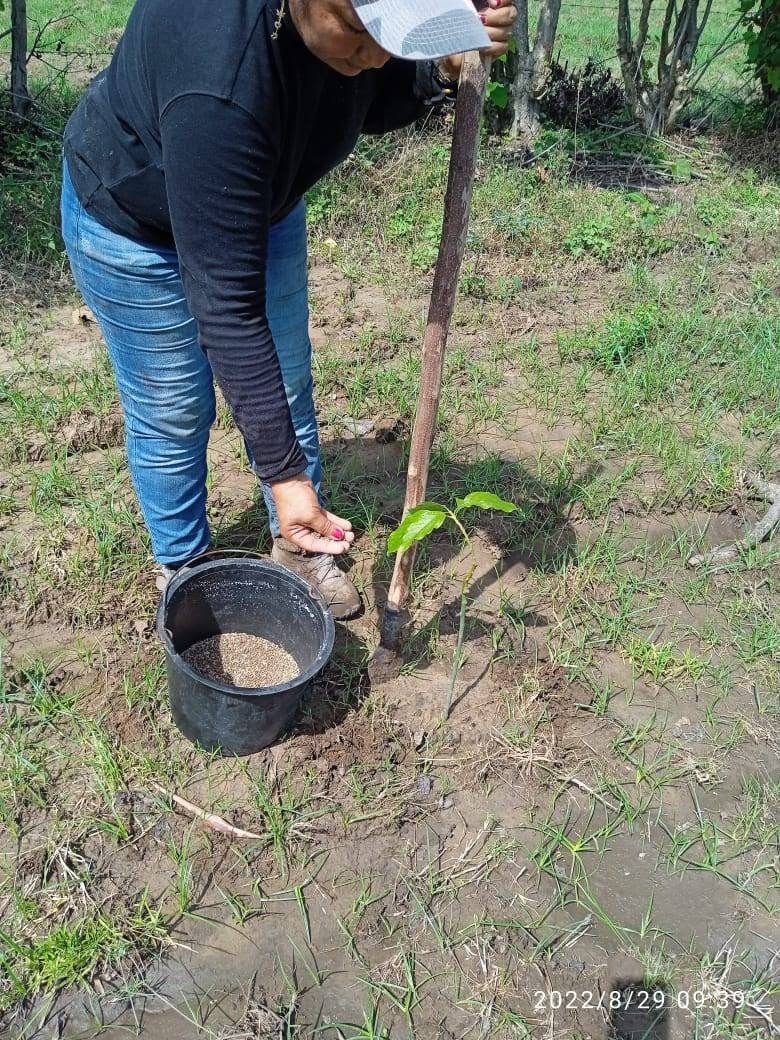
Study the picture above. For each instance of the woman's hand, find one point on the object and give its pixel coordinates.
(499, 18)
(303, 520)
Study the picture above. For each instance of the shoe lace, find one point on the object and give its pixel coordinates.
(324, 566)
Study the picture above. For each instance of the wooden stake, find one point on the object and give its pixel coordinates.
(457, 206)
(20, 95)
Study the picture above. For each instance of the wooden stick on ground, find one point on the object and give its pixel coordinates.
(457, 206)
(211, 820)
(762, 529)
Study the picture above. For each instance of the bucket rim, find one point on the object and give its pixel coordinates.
(326, 648)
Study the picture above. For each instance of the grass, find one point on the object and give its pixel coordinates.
(585, 31)
(81, 27)
(71, 954)
(608, 776)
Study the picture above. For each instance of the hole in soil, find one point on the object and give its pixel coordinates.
(642, 1012)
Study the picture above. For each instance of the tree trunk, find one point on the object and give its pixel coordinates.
(526, 121)
(657, 103)
(20, 96)
(627, 55)
(532, 64)
(457, 207)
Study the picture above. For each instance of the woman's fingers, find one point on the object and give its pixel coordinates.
(499, 20)
(498, 48)
(321, 533)
(499, 16)
(303, 520)
(334, 529)
(340, 529)
(307, 539)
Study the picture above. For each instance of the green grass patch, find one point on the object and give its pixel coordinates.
(30, 184)
(70, 954)
(82, 26)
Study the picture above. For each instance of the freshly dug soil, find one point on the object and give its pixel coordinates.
(242, 660)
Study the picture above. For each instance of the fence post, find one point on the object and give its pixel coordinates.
(20, 95)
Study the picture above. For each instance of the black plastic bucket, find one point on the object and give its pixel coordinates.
(240, 594)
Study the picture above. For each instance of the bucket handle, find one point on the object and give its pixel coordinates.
(208, 554)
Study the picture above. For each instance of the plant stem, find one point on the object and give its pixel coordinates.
(464, 594)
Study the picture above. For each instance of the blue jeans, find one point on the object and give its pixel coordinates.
(164, 378)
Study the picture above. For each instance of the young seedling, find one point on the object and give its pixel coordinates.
(422, 521)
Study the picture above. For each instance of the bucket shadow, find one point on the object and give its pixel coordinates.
(338, 690)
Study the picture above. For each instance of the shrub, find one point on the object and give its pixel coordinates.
(581, 98)
(761, 19)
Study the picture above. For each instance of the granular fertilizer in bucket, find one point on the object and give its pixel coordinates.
(242, 660)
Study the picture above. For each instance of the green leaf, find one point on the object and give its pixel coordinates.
(485, 500)
(416, 525)
(498, 94)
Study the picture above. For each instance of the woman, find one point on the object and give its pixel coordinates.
(185, 167)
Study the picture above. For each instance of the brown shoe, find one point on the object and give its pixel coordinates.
(321, 570)
(163, 576)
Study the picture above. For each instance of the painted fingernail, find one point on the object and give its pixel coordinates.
(337, 534)
(483, 19)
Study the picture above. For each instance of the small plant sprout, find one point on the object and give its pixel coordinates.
(422, 521)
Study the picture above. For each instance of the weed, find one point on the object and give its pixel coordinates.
(595, 236)
(662, 661)
(371, 1027)
(404, 995)
(284, 808)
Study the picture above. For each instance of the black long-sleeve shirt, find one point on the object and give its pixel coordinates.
(208, 126)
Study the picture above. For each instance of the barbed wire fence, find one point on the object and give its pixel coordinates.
(52, 61)
(54, 67)
(59, 67)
